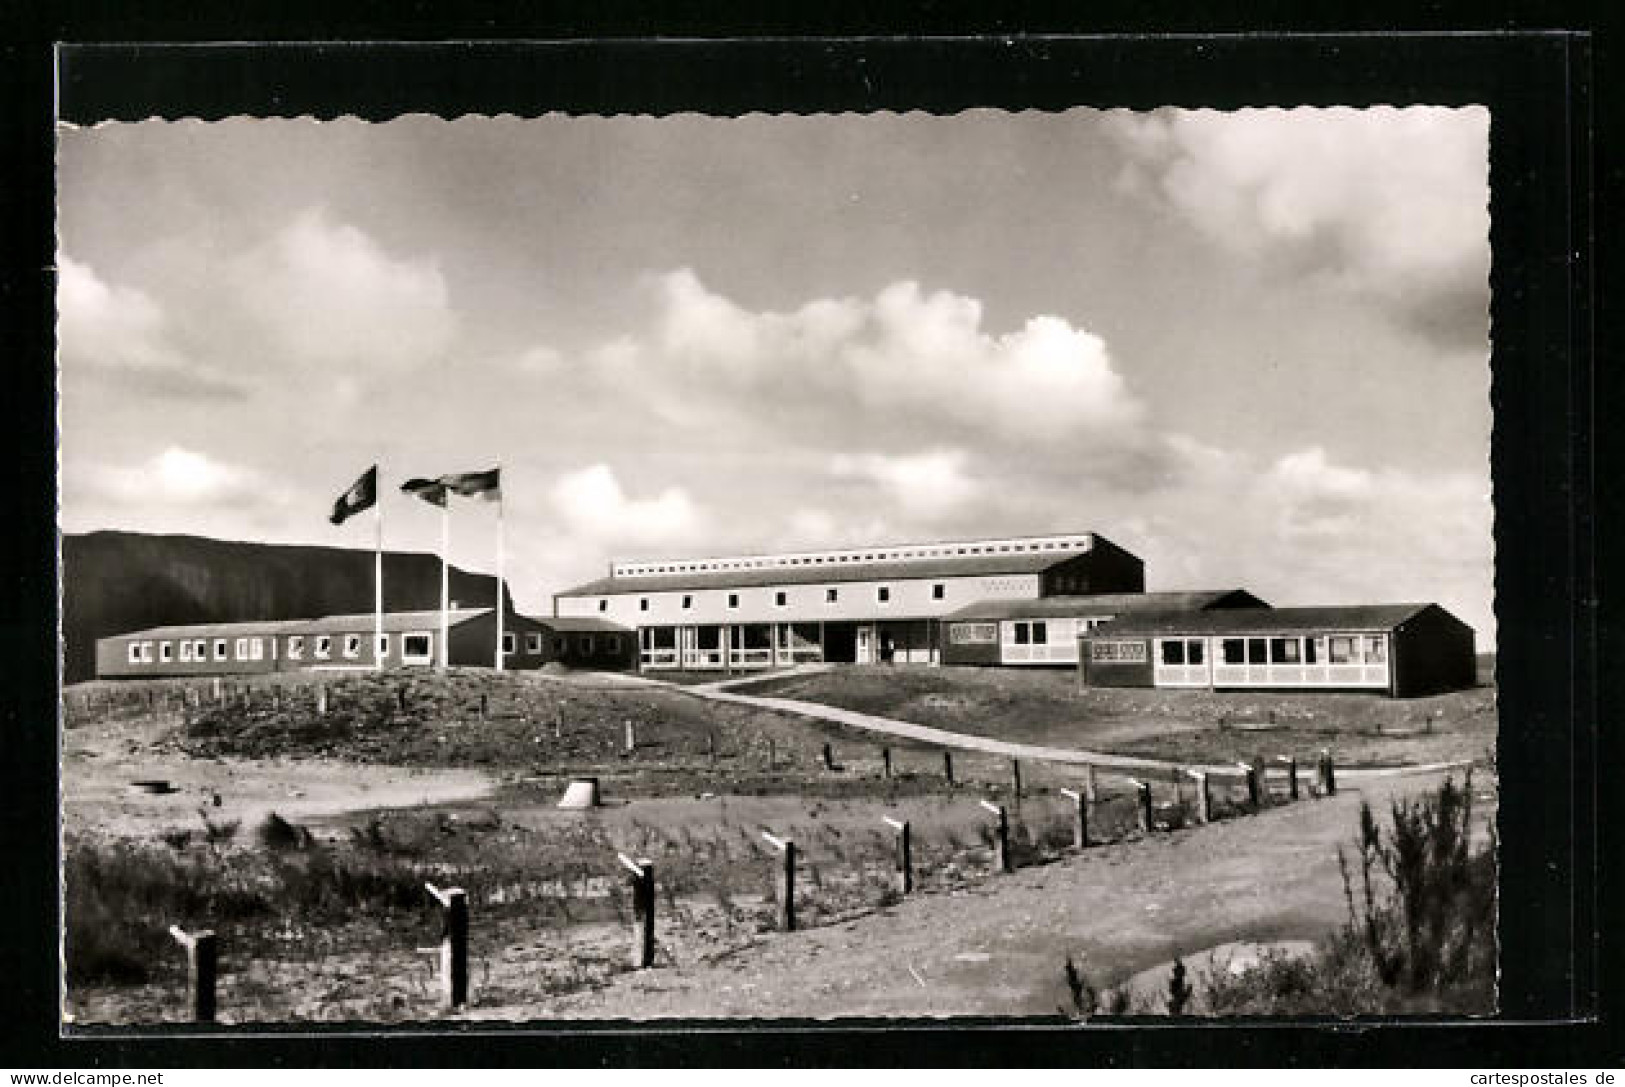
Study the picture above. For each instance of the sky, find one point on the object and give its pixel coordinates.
(1251, 347)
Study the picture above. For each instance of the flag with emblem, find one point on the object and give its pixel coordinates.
(362, 495)
(486, 485)
(432, 491)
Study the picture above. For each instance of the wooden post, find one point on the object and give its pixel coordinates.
(711, 747)
(904, 856)
(948, 767)
(321, 700)
(1080, 818)
(1251, 774)
(631, 737)
(1291, 776)
(1143, 805)
(201, 965)
(1204, 798)
(772, 752)
(1090, 789)
(1260, 769)
(784, 884)
(643, 910)
(219, 691)
(558, 721)
(1328, 773)
(1015, 778)
(1001, 837)
(453, 944)
(829, 758)
(485, 705)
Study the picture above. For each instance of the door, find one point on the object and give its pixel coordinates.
(865, 651)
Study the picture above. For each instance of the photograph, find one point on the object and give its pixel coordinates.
(1032, 565)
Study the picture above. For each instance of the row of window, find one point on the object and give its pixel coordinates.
(561, 645)
(1338, 649)
(1036, 631)
(866, 556)
(415, 648)
(781, 597)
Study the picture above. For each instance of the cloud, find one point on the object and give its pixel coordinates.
(591, 505)
(121, 335)
(180, 478)
(1391, 204)
(328, 295)
(923, 485)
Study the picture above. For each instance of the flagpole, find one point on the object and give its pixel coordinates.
(445, 580)
(378, 578)
(500, 594)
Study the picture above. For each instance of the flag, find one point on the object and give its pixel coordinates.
(363, 495)
(487, 484)
(432, 491)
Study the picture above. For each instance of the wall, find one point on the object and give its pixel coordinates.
(1433, 652)
(1105, 569)
(1135, 673)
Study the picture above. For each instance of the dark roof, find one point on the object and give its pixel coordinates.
(583, 624)
(1096, 604)
(1342, 618)
(329, 624)
(1025, 562)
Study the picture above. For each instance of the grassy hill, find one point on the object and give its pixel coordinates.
(120, 581)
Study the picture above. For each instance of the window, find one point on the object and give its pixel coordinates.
(1194, 651)
(1309, 652)
(416, 648)
(242, 649)
(1233, 651)
(603, 605)
(135, 652)
(1257, 651)
(533, 643)
(1285, 651)
(186, 650)
(166, 651)
(586, 645)
(560, 647)
(831, 595)
(383, 646)
(352, 646)
(1023, 634)
(296, 647)
(510, 644)
(1173, 652)
(733, 600)
(200, 650)
(256, 649)
(688, 602)
(1340, 650)
(219, 649)
(643, 605)
(1040, 633)
(883, 594)
(939, 592)
(324, 646)
(612, 644)
(1374, 649)
(781, 598)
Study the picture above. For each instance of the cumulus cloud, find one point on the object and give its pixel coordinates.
(119, 334)
(327, 294)
(180, 478)
(925, 485)
(592, 505)
(1392, 204)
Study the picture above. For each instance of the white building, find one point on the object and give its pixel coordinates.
(850, 604)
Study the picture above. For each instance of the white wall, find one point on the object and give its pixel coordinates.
(910, 599)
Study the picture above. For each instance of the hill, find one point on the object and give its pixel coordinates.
(120, 581)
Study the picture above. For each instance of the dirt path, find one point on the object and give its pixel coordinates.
(998, 948)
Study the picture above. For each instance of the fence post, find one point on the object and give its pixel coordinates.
(400, 697)
(1089, 786)
(1080, 818)
(558, 721)
(1328, 773)
(711, 746)
(885, 762)
(1001, 837)
(201, 962)
(772, 753)
(485, 705)
(219, 691)
(453, 944)
(321, 700)
(1291, 776)
(829, 758)
(1260, 773)
(631, 737)
(1015, 778)
(904, 856)
(1143, 804)
(948, 767)
(784, 884)
(643, 910)
(1251, 774)
(1204, 798)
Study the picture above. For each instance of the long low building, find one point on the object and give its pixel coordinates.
(1403, 650)
(1045, 630)
(345, 642)
(853, 605)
